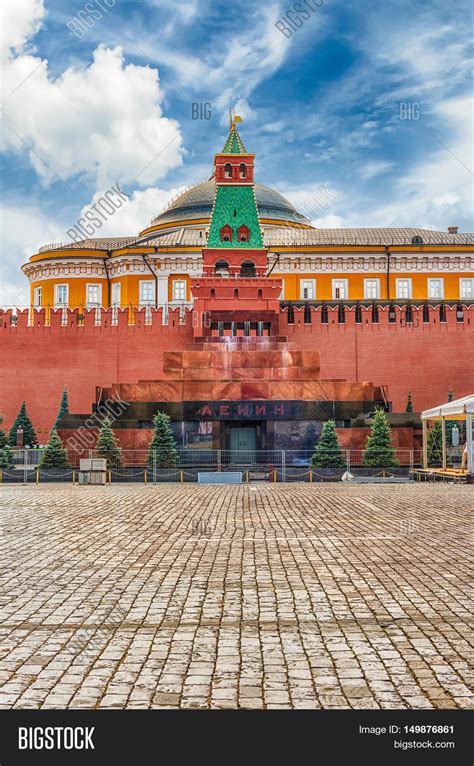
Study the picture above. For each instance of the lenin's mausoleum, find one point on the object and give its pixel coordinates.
(243, 322)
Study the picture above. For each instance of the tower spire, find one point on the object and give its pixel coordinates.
(234, 143)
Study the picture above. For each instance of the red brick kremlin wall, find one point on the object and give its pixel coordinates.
(38, 361)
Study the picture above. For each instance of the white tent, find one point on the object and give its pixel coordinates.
(458, 409)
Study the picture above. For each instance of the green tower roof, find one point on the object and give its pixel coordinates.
(234, 144)
(235, 205)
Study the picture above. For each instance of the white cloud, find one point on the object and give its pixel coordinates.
(251, 56)
(330, 221)
(427, 49)
(20, 21)
(136, 214)
(369, 170)
(437, 192)
(103, 121)
(23, 231)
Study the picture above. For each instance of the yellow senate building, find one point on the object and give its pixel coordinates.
(315, 265)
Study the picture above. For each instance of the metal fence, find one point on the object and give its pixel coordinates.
(255, 465)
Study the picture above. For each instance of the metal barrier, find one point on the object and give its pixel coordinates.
(255, 465)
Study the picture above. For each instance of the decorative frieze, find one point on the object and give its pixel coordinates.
(191, 263)
(321, 263)
(56, 269)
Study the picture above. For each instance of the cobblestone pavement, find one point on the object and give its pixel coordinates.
(222, 596)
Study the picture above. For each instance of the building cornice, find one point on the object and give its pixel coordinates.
(374, 262)
(70, 268)
(189, 260)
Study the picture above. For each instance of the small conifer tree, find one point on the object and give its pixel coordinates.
(29, 435)
(163, 444)
(3, 436)
(6, 456)
(379, 451)
(55, 454)
(328, 453)
(63, 409)
(107, 445)
(409, 407)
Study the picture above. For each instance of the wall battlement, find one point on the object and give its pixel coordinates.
(133, 319)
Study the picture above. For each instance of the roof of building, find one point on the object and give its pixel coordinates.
(96, 243)
(196, 202)
(286, 236)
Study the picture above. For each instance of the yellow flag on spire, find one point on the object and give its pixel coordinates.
(237, 118)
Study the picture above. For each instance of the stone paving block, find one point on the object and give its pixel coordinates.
(265, 595)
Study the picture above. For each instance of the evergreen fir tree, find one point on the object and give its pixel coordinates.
(63, 409)
(328, 453)
(6, 456)
(379, 451)
(435, 446)
(409, 407)
(107, 445)
(29, 436)
(163, 444)
(55, 454)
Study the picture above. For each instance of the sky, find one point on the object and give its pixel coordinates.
(361, 114)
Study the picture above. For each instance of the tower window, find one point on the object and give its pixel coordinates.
(242, 170)
(247, 269)
(243, 233)
(226, 233)
(222, 268)
(227, 170)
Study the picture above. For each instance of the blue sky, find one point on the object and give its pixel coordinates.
(322, 106)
